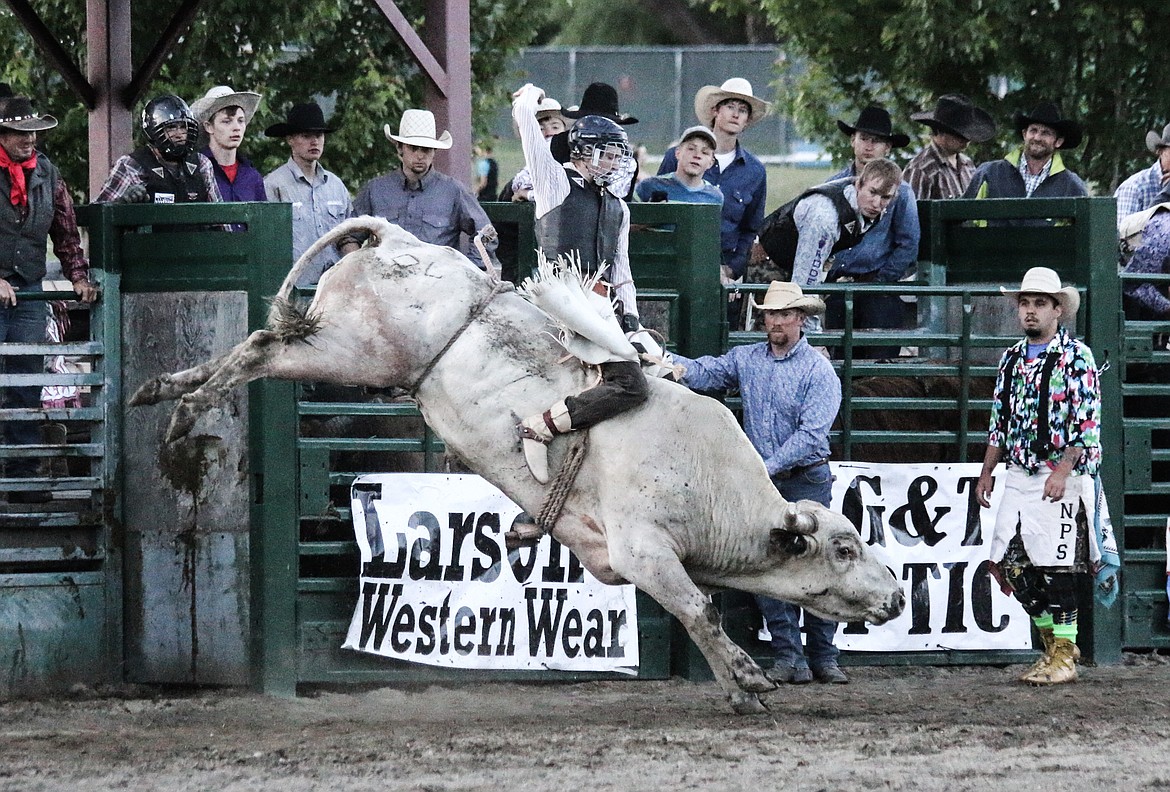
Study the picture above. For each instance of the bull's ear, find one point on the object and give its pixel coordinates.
(788, 543)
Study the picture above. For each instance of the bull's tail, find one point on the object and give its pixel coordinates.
(375, 228)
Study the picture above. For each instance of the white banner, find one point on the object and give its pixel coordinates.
(924, 522)
(437, 585)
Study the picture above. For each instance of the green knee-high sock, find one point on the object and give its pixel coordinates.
(1043, 621)
(1065, 625)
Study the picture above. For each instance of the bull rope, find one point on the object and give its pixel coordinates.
(562, 484)
(471, 317)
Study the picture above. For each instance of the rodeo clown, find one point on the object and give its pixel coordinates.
(581, 219)
(1053, 521)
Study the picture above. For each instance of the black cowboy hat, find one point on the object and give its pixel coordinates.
(1048, 114)
(876, 121)
(301, 118)
(956, 114)
(599, 99)
(17, 114)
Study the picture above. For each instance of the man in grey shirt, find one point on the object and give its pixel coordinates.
(319, 198)
(431, 205)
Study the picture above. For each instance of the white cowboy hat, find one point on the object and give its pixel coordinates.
(205, 107)
(709, 96)
(1042, 280)
(417, 128)
(547, 107)
(783, 295)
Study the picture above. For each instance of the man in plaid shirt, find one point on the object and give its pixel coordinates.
(1140, 191)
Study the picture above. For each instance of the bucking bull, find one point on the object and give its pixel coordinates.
(671, 496)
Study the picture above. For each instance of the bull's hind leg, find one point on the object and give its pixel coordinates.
(172, 386)
(262, 354)
(658, 571)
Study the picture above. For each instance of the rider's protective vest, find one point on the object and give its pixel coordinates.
(587, 221)
(165, 185)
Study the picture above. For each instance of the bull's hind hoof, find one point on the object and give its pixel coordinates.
(747, 704)
(150, 392)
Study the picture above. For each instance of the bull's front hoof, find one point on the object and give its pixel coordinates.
(744, 703)
(150, 392)
(182, 421)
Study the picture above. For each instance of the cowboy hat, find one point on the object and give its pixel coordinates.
(17, 114)
(301, 118)
(417, 128)
(1042, 280)
(783, 295)
(205, 107)
(708, 98)
(599, 99)
(1048, 114)
(956, 114)
(1154, 141)
(875, 121)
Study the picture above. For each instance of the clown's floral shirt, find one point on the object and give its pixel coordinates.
(1074, 409)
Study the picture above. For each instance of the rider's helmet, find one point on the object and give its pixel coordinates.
(166, 113)
(603, 147)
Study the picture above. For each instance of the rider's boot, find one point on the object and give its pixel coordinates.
(537, 431)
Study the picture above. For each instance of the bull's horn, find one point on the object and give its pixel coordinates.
(796, 521)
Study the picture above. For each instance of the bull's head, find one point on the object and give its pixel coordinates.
(825, 567)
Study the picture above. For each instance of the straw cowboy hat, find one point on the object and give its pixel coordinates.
(17, 115)
(1048, 114)
(205, 107)
(1042, 280)
(876, 121)
(1154, 141)
(956, 114)
(783, 295)
(301, 118)
(417, 128)
(708, 98)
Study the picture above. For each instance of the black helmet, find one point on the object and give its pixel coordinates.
(167, 111)
(592, 137)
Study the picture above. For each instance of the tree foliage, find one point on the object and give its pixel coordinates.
(340, 52)
(665, 22)
(1097, 59)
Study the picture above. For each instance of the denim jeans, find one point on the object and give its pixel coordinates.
(783, 618)
(22, 323)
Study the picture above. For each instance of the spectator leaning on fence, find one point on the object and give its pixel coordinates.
(36, 207)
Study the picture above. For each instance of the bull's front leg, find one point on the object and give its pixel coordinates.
(172, 386)
(656, 569)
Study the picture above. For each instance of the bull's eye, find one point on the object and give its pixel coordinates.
(846, 553)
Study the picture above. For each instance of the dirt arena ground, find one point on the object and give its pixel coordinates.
(971, 728)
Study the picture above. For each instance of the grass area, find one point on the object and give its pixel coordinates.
(784, 182)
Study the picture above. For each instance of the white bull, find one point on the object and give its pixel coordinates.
(671, 497)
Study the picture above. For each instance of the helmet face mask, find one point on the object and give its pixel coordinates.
(161, 117)
(601, 146)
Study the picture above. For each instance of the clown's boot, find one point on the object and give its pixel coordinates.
(1061, 666)
(1047, 639)
(537, 431)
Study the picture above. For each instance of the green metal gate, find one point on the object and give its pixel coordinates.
(60, 561)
